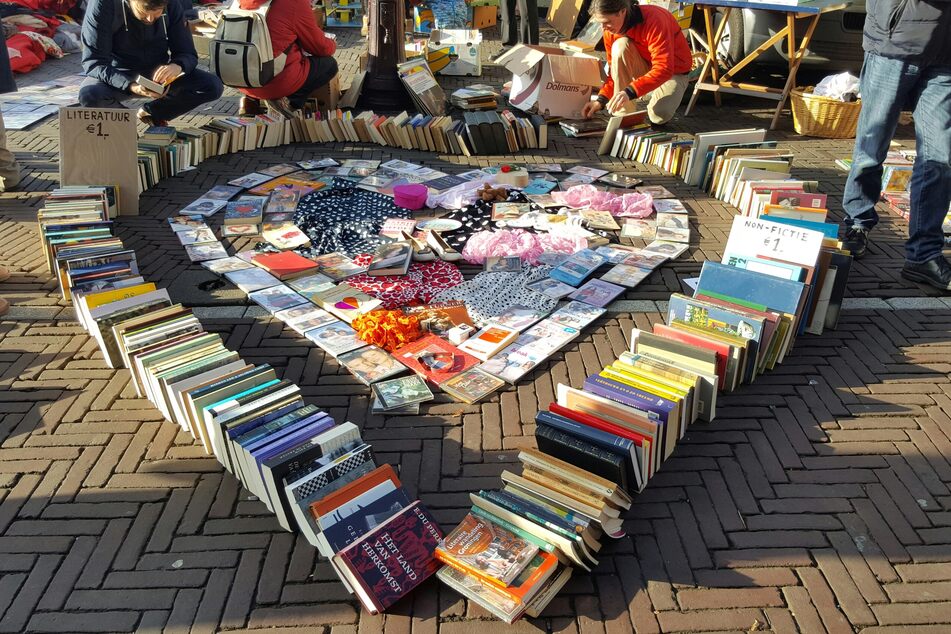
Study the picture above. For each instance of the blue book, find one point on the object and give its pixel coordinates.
(729, 282)
(350, 528)
(258, 427)
(243, 449)
(827, 229)
(285, 412)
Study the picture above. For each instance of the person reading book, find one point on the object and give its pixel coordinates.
(907, 67)
(309, 64)
(126, 39)
(648, 59)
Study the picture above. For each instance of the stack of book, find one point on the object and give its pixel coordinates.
(315, 476)
(475, 99)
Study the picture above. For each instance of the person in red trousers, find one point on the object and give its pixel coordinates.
(310, 63)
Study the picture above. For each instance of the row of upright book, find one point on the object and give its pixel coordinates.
(316, 476)
(166, 151)
(603, 441)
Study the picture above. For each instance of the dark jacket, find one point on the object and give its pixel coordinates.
(911, 30)
(117, 46)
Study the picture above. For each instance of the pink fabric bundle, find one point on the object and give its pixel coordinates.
(633, 205)
(527, 246)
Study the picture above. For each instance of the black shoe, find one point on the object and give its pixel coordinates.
(935, 272)
(856, 241)
(146, 118)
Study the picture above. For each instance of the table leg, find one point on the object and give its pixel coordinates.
(796, 56)
(710, 64)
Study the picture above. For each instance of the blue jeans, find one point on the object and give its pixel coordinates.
(185, 94)
(888, 86)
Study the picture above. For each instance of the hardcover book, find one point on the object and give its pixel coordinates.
(390, 561)
(285, 265)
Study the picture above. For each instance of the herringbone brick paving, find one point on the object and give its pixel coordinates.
(818, 500)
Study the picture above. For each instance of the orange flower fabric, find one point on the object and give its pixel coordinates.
(387, 329)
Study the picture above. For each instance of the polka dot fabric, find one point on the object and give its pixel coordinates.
(344, 218)
(488, 294)
(419, 285)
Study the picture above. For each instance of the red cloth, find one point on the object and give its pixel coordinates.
(660, 42)
(421, 283)
(291, 23)
(49, 6)
(31, 53)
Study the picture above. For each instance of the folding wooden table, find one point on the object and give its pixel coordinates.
(811, 9)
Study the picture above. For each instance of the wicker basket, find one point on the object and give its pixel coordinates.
(823, 117)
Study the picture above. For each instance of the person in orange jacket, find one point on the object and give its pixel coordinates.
(648, 58)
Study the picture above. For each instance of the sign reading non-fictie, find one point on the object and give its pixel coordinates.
(98, 147)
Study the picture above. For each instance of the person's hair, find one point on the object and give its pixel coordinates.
(611, 7)
(152, 5)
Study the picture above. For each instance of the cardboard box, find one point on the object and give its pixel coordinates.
(551, 81)
(320, 16)
(327, 96)
(455, 52)
(484, 16)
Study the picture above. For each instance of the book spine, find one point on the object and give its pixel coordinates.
(583, 454)
(537, 515)
(625, 396)
(512, 528)
(597, 437)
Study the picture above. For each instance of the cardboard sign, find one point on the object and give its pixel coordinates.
(551, 81)
(455, 52)
(98, 147)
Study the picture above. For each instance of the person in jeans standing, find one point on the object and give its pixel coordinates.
(648, 57)
(907, 65)
(9, 167)
(523, 31)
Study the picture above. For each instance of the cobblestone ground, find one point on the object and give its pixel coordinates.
(817, 501)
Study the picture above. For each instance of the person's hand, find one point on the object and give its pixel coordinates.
(590, 108)
(165, 74)
(619, 101)
(142, 91)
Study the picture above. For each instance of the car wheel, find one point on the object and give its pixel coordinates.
(730, 49)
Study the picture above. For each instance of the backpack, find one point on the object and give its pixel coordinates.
(240, 52)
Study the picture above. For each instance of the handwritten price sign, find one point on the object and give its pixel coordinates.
(98, 147)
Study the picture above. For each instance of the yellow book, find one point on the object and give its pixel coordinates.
(740, 347)
(681, 413)
(664, 378)
(94, 300)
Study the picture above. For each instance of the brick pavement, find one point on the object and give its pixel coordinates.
(817, 501)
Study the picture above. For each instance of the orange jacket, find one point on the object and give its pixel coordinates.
(660, 42)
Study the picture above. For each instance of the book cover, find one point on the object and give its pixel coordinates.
(284, 235)
(578, 267)
(204, 207)
(335, 338)
(401, 392)
(371, 364)
(224, 265)
(486, 550)
(471, 385)
(352, 526)
(244, 212)
(338, 266)
(597, 293)
(228, 231)
(205, 251)
(276, 298)
(346, 302)
(388, 562)
(518, 317)
(576, 314)
(440, 317)
(434, 358)
(392, 258)
(551, 288)
(488, 341)
(251, 279)
(285, 265)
